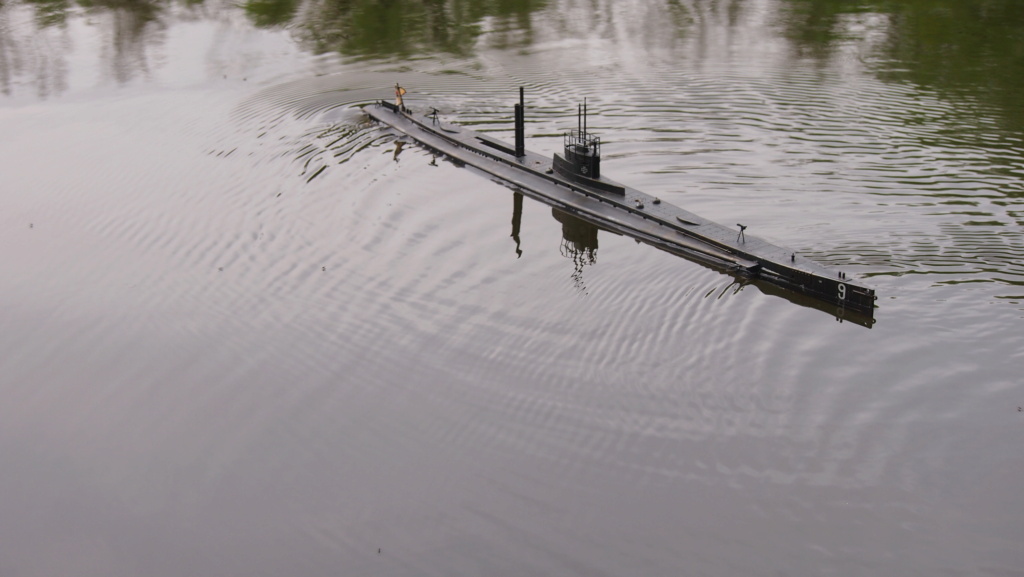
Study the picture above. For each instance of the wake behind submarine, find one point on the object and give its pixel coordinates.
(572, 182)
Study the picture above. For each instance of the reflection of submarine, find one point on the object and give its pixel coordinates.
(579, 237)
(579, 244)
(572, 182)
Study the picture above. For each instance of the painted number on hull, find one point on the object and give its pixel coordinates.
(842, 292)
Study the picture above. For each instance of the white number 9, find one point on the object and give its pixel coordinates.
(842, 292)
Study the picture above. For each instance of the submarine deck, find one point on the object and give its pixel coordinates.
(634, 213)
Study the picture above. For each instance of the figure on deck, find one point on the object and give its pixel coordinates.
(399, 91)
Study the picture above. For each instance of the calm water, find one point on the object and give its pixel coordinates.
(246, 332)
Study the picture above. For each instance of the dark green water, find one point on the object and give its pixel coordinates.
(247, 332)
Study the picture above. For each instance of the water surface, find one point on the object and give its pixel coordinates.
(245, 331)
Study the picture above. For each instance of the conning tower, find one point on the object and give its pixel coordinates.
(581, 158)
(582, 149)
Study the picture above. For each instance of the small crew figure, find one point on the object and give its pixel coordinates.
(399, 91)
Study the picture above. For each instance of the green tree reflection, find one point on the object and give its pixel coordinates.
(133, 25)
(50, 12)
(969, 48)
(966, 48)
(271, 12)
(401, 28)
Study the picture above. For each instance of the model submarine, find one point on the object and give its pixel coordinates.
(572, 182)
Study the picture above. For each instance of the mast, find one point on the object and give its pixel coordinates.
(520, 126)
(581, 157)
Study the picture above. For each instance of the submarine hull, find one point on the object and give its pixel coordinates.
(620, 208)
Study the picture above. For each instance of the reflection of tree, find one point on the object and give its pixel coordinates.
(405, 27)
(271, 12)
(6, 49)
(813, 25)
(972, 47)
(40, 52)
(134, 23)
(956, 45)
(50, 12)
(130, 25)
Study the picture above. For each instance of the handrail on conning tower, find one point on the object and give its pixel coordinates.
(581, 150)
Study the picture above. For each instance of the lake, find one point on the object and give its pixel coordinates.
(246, 331)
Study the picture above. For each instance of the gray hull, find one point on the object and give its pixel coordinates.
(622, 209)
